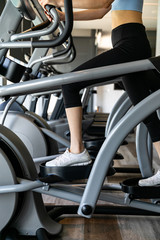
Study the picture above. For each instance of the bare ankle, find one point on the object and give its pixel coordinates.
(76, 150)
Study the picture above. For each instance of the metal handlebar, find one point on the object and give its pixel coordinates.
(48, 43)
(39, 33)
(62, 59)
(66, 55)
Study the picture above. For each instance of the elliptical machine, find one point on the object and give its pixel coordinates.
(23, 178)
(21, 184)
(40, 148)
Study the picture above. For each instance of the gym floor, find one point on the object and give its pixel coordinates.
(108, 227)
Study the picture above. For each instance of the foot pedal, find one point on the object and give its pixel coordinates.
(67, 173)
(124, 143)
(118, 156)
(131, 169)
(50, 178)
(94, 144)
(131, 186)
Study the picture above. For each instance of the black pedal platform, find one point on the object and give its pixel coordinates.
(124, 143)
(118, 156)
(67, 173)
(131, 187)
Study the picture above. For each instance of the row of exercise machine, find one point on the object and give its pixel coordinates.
(27, 140)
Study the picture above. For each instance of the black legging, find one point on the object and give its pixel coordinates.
(130, 43)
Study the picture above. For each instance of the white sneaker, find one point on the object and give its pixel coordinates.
(70, 159)
(151, 181)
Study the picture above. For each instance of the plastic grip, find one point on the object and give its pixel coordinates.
(49, 7)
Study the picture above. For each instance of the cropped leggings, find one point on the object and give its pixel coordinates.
(130, 43)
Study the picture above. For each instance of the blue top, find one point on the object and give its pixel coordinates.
(134, 5)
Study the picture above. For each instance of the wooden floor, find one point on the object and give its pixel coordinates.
(108, 227)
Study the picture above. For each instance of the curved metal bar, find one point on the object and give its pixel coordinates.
(110, 146)
(7, 107)
(67, 46)
(48, 43)
(67, 30)
(56, 137)
(59, 59)
(114, 110)
(143, 156)
(24, 186)
(121, 111)
(39, 33)
(150, 146)
(50, 59)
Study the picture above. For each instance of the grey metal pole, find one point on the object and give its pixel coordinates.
(55, 82)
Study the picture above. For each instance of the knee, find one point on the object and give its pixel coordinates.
(71, 95)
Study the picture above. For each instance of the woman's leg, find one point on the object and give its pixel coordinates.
(144, 81)
(74, 116)
(72, 101)
(129, 50)
(138, 87)
(157, 147)
(76, 155)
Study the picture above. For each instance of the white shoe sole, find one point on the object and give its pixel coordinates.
(80, 164)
